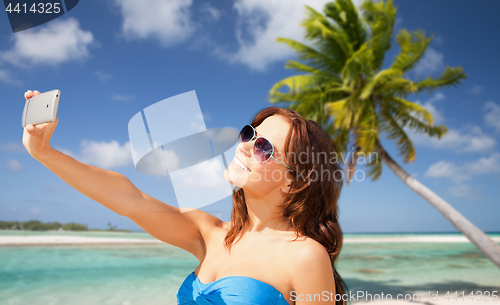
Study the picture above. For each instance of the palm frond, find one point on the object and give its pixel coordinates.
(374, 166)
(292, 64)
(335, 107)
(340, 138)
(313, 57)
(367, 128)
(412, 108)
(377, 81)
(396, 132)
(348, 116)
(404, 116)
(345, 14)
(296, 84)
(397, 87)
(380, 17)
(327, 38)
(357, 65)
(420, 127)
(413, 47)
(450, 77)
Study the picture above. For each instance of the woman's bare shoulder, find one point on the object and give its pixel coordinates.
(304, 248)
(205, 222)
(307, 262)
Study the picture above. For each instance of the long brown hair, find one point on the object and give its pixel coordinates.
(310, 206)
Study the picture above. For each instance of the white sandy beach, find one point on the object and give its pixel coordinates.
(414, 239)
(80, 240)
(48, 240)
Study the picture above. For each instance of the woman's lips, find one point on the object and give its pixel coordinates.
(238, 164)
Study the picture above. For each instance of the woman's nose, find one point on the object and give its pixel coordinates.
(247, 148)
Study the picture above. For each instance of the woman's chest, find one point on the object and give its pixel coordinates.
(263, 259)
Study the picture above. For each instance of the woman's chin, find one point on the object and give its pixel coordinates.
(235, 177)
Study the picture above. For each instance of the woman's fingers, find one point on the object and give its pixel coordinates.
(28, 94)
(36, 127)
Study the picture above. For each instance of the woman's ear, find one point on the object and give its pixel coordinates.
(287, 182)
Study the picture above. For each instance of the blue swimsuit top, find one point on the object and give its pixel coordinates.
(230, 290)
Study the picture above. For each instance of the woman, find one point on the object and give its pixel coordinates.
(284, 236)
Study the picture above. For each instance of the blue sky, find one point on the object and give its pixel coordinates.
(112, 58)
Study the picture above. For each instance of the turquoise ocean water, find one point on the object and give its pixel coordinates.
(152, 274)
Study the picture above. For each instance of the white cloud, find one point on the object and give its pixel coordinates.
(438, 40)
(55, 43)
(8, 79)
(201, 184)
(467, 139)
(35, 210)
(198, 124)
(224, 134)
(107, 155)
(206, 116)
(445, 169)
(155, 162)
(463, 191)
(260, 22)
(172, 160)
(123, 98)
(210, 13)
(431, 62)
(492, 118)
(430, 106)
(484, 165)
(206, 176)
(12, 147)
(476, 90)
(13, 165)
(464, 172)
(168, 21)
(103, 77)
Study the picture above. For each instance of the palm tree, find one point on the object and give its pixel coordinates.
(344, 88)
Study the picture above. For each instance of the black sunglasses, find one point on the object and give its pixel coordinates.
(263, 149)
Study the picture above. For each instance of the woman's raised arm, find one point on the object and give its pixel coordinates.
(116, 192)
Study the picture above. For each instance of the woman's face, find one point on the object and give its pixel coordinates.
(261, 178)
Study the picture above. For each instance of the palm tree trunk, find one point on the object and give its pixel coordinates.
(489, 248)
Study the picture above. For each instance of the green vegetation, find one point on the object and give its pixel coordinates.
(36, 225)
(345, 89)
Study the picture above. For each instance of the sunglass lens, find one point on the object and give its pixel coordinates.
(263, 150)
(246, 134)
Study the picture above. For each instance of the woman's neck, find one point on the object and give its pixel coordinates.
(266, 214)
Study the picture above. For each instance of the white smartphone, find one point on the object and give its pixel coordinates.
(41, 108)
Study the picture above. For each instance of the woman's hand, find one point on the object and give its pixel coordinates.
(36, 137)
